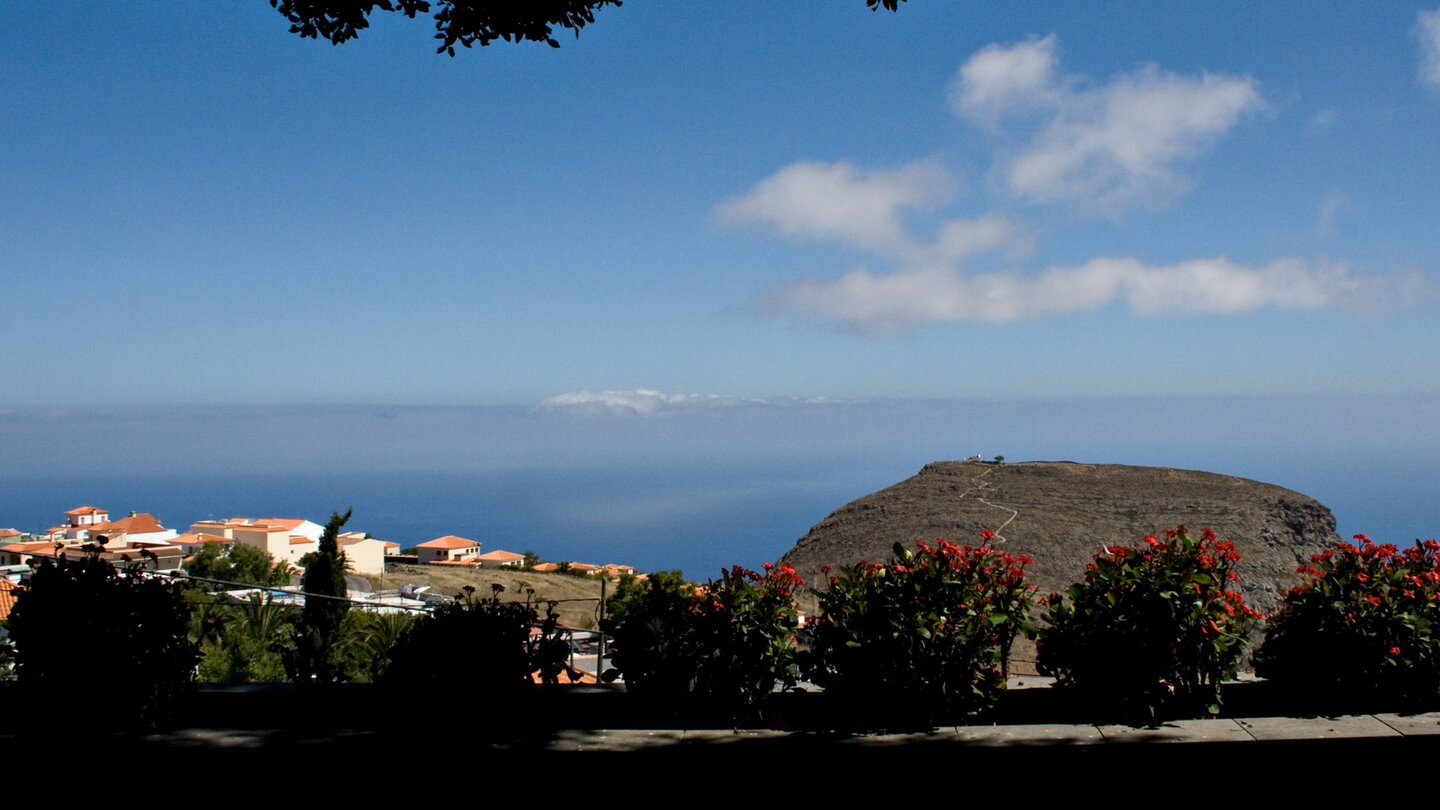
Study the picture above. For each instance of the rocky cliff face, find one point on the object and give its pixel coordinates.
(1061, 513)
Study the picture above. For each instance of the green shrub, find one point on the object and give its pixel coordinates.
(720, 647)
(101, 648)
(928, 634)
(248, 643)
(1151, 632)
(1362, 631)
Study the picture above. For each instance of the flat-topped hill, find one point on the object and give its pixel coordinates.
(1061, 513)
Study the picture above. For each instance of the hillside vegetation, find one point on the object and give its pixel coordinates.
(578, 597)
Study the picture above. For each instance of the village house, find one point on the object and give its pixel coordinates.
(192, 542)
(500, 559)
(87, 523)
(365, 554)
(448, 550)
(284, 539)
(139, 538)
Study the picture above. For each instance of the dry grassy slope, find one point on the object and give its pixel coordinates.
(1064, 512)
(579, 595)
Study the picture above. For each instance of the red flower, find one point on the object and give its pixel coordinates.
(986, 534)
(1394, 652)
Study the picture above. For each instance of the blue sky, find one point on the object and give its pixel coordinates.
(743, 199)
(698, 208)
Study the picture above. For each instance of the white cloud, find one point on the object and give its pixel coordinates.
(1107, 148)
(839, 203)
(639, 402)
(900, 301)
(1000, 80)
(807, 201)
(1427, 26)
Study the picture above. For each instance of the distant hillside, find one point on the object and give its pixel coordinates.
(1061, 513)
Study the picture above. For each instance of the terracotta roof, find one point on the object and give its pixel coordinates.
(8, 591)
(289, 524)
(499, 556)
(546, 566)
(29, 548)
(141, 523)
(259, 526)
(449, 541)
(299, 539)
(191, 538)
(86, 510)
(10, 533)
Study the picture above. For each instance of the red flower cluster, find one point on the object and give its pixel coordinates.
(1154, 624)
(1360, 623)
(930, 626)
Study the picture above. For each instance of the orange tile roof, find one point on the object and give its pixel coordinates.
(449, 541)
(546, 566)
(86, 510)
(8, 592)
(10, 533)
(191, 538)
(141, 523)
(289, 524)
(29, 548)
(499, 556)
(299, 539)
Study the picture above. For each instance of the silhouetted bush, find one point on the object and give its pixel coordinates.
(101, 648)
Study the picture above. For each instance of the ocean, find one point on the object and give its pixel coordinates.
(697, 491)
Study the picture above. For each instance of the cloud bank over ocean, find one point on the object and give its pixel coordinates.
(645, 402)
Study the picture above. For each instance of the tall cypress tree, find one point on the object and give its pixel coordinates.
(322, 618)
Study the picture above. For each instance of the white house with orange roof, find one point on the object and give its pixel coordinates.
(500, 559)
(139, 529)
(77, 525)
(284, 539)
(86, 522)
(449, 549)
(192, 542)
(274, 539)
(82, 516)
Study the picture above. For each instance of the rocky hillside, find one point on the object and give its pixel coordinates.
(1061, 513)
